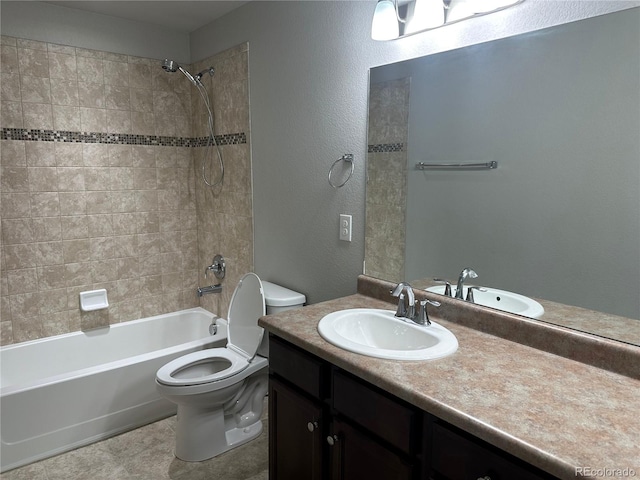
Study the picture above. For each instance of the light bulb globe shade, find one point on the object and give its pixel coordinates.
(426, 14)
(385, 22)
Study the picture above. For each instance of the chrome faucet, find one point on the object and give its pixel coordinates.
(209, 289)
(466, 273)
(408, 310)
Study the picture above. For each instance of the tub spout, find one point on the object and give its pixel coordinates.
(210, 289)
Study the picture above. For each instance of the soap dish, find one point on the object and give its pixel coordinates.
(93, 300)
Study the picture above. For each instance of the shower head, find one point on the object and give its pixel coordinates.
(170, 65)
(173, 66)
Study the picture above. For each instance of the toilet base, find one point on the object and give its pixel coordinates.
(203, 432)
(202, 435)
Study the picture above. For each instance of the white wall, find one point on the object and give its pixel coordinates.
(309, 64)
(68, 26)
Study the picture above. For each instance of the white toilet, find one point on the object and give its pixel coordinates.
(220, 391)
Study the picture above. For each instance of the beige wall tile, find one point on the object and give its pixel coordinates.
(49, 253)
(64, 92)
(74, 227)
(14, 179)
(70, 179)
(91, 95)
(10, 87)
(93, 119)
(43, 179)
(98, 202)
(68, 154)
(118, 121)
(45, 204)
(47, 229)
(62, 65)
(19, 255)
(15, 205)
(33, 62)
(40, 154)
(12, 153)
(35, 89)
(66, 118)
(37, 116)
(95, 155)
(90, 69)
(11, 114)
(9, 59)
(73, 203)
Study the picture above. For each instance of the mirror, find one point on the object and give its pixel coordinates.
(559, 111)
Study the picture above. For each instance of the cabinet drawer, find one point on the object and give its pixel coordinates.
(455, 456)
(295, 365)
(382, 415)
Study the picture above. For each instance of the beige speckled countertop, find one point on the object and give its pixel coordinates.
(556, 413)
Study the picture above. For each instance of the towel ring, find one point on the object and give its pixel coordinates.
(347, 157)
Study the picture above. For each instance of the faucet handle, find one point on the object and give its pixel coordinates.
(470, 293)
(423, 316)
(447, 285)
(218, 267)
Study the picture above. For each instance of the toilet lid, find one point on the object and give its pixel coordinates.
(247, 305)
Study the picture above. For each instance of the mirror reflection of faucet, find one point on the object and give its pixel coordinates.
(464, 275)
(459, 293)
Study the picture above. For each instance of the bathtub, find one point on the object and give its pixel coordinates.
(62, 392)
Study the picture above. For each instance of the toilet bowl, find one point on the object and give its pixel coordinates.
(220, 391)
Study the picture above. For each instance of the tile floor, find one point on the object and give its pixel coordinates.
(147, 454)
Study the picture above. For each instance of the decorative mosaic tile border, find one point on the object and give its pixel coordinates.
(386, 147)
(32, 135)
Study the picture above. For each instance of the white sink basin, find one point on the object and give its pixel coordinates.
(500, 300)
(378, 333)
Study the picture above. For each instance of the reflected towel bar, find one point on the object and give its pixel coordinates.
(456, 166)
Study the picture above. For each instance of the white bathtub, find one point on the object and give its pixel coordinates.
(62, 392)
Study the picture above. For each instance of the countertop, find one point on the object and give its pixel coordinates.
(567, 417)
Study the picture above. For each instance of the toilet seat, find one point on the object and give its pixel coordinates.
(232, 363)
(206, 367)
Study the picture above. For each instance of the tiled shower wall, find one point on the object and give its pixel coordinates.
(98, 188)
(225, 215)
(386, 179)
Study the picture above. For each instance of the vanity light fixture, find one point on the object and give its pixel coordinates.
(385, 25)
(422, 15)
(426, 14)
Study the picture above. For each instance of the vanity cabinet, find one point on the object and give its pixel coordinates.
(325, 423)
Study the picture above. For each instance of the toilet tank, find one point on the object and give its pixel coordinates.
(279, 299)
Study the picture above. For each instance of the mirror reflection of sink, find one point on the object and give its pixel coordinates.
(378, 333)
(500, 300)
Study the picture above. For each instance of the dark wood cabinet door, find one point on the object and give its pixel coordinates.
(354, 456)
(457, 457)
(295, 437)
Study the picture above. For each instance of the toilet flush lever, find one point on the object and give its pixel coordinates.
(218, 267)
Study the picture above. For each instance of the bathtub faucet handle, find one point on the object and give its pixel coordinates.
(218, 267)
(213, 328)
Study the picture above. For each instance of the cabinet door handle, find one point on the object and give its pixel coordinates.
(311, 426)
(332, 439)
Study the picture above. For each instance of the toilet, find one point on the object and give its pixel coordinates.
(220, 391)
